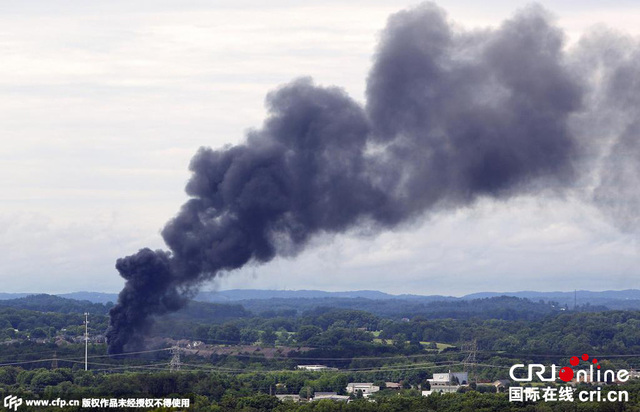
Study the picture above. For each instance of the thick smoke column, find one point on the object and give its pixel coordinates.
(450, 116)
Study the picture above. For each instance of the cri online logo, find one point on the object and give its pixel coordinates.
(567, 374)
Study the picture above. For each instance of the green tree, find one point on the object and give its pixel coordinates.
(306, 392)
(249, 336)
(307, 332)
(228, 333)
(268, 337)
(38, 333)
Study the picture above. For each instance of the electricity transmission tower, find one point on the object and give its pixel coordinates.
(470, 360)
(86, 340)
(174, 364)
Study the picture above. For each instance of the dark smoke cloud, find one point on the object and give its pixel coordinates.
(472, 114)
(610, 126)
(450, 116)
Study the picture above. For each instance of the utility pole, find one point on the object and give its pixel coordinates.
(575, 299)
(174, 364)
(86, 340)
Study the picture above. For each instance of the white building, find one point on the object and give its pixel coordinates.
(314, 367)
(288, 397)
(365, 388)
(448, 382)
(331, 396)
(393, 385)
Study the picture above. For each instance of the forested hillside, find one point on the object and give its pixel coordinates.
(233, 357)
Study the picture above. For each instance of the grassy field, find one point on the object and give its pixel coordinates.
(440, 346)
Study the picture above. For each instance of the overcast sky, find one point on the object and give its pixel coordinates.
(102, 104)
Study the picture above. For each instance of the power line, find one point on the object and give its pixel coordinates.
(92, 356)
(76, 359)
(152, 366)
(129, 353)
(280, 357)
(398, 368)
(31, 361)
(27, 354)
(468, 361)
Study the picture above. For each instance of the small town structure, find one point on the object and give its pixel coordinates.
(393, 385)
(288, 397)
(331, 396)
(501, 385)
(314, 367)
(448, 382)
(366, 389)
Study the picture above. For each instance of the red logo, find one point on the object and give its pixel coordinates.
(566, 373)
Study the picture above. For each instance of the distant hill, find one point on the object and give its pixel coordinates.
(52, 303)
(499, 307)
(252, 299)
(96, 297)
(612, 299)
(494, 306)
(4, 296)
(211, 312)
(245, 294)
(194, 311)
(581, 294)
(252, 294)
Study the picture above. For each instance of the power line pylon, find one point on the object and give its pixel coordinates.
(86, 340)
(174, 364)
(470, 361)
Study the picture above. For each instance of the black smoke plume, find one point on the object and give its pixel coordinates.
(610, 126)
(450, 116)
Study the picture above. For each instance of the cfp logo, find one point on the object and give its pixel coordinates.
(12, 402)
